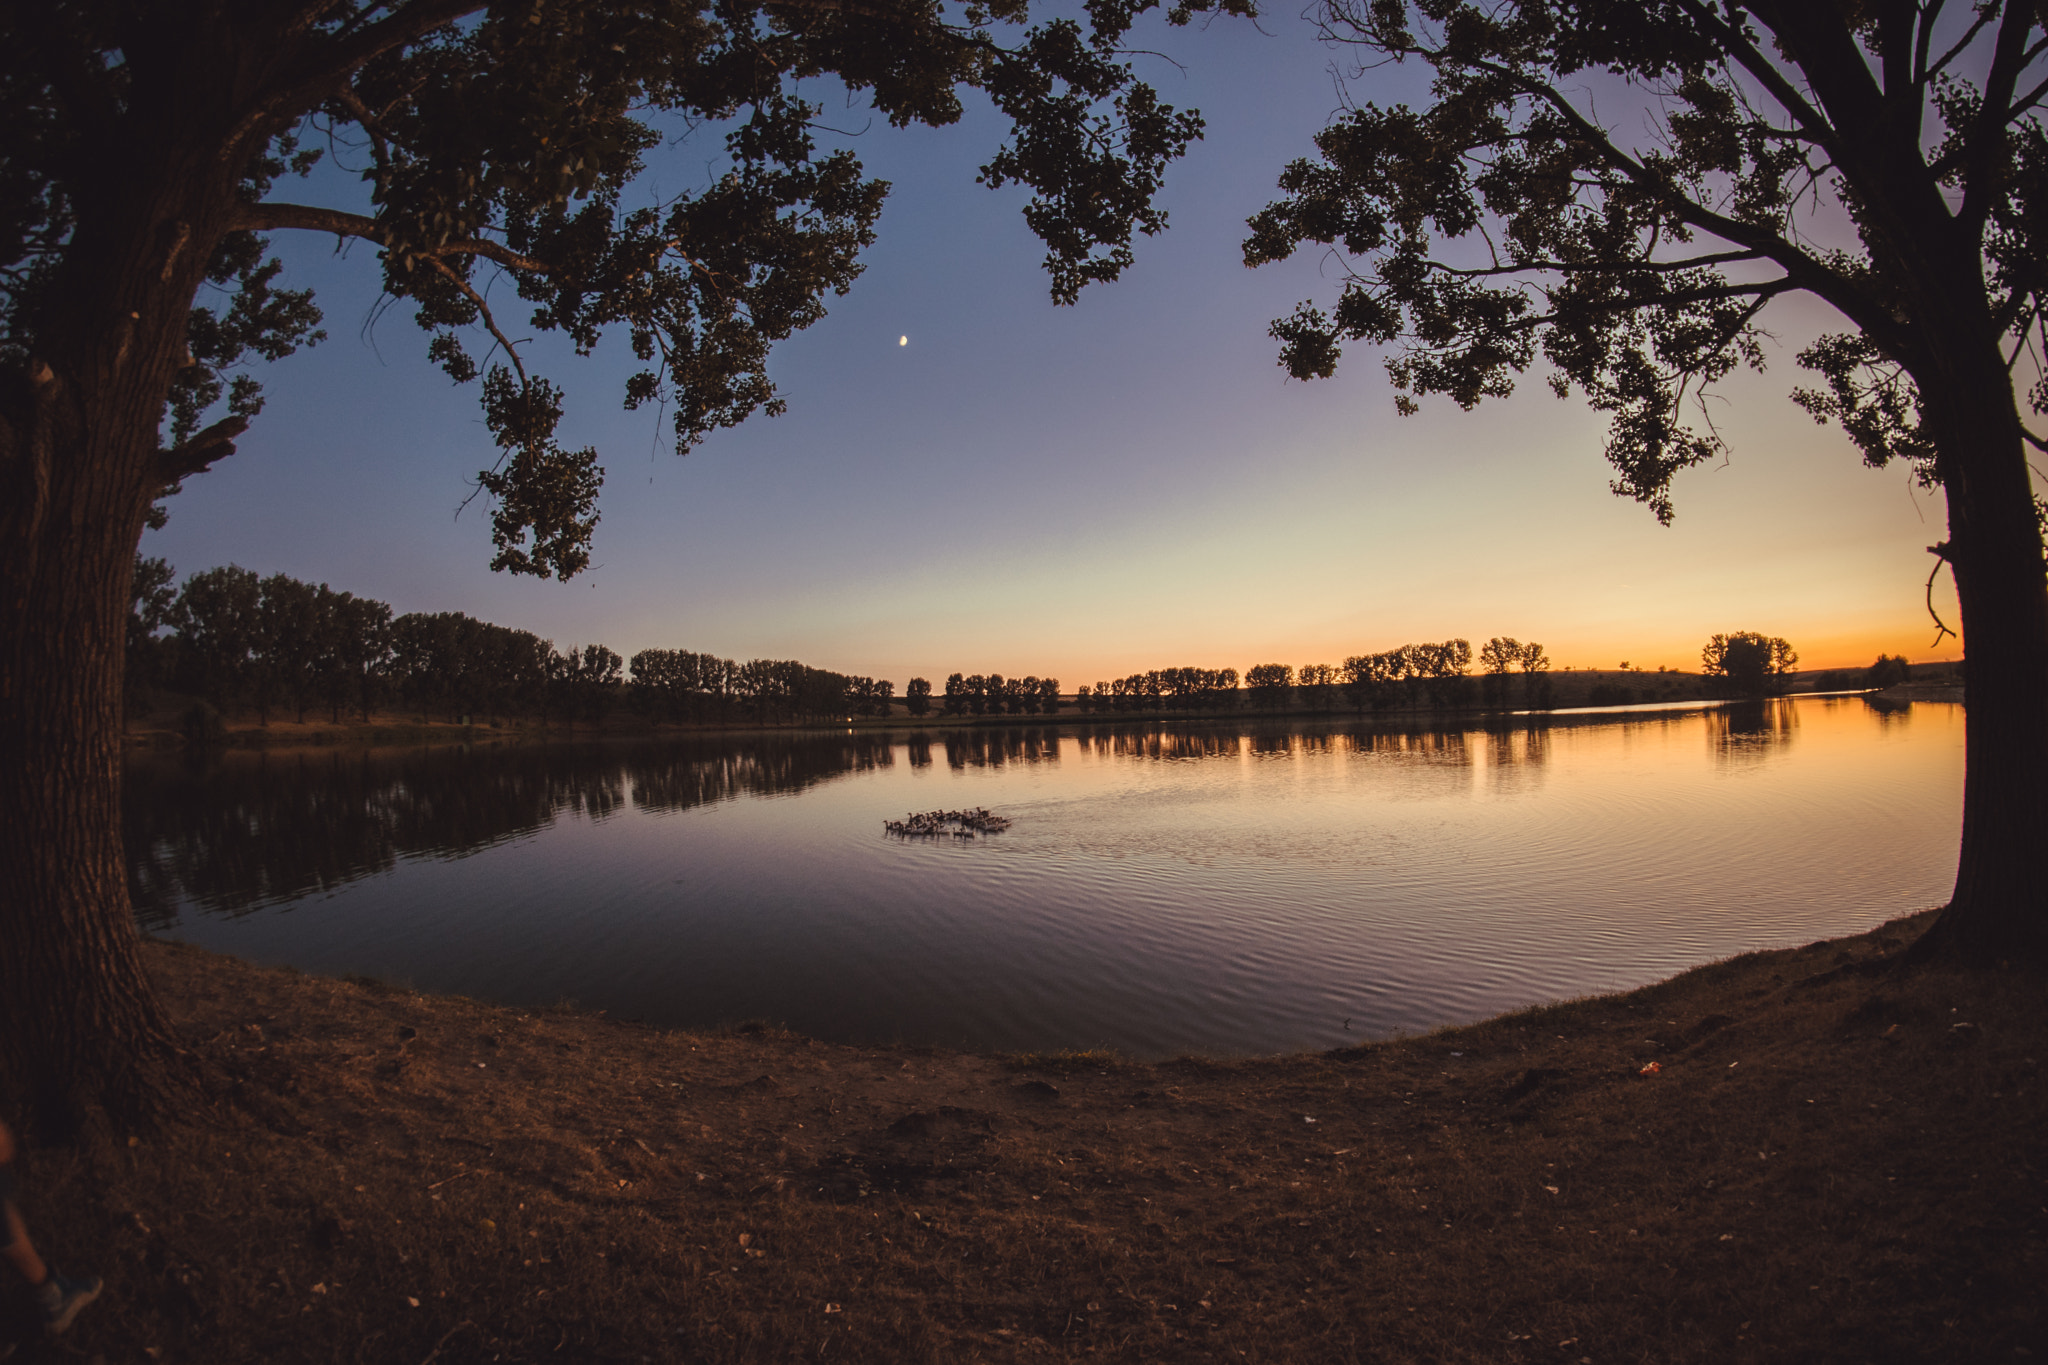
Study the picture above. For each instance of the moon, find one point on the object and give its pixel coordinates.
(902, 341)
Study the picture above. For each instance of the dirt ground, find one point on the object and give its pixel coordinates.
(1808, 1155)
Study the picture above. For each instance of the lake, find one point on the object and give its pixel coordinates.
(1228, 889)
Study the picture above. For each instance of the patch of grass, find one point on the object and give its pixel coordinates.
(1826, 1166)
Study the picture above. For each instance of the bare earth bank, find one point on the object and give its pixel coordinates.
(1832, 1160)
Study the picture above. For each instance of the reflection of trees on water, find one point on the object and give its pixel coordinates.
(1445, 748)
(682, 776)
(258, 829)
(1410, 744)
(994, 748)
(1750, 731)
(1516, 755)
(1889, 711)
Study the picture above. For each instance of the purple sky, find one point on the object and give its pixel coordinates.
(1082, 492)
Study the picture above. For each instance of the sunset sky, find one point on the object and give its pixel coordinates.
(1079, 492)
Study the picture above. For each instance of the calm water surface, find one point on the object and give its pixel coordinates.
(1213, 889)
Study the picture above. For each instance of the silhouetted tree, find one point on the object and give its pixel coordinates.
(292, 636)
(358, 641)
(663, 683)
(1887, 159)
(1442, 667)
(1369, 679)
(216, 620)
(676, 684)
(593, 674)
(1020, 695)
(1535, 666)
(152, 595)
(1267, 685)
(1748, 664)
(1219, 688)
(917, 697)
(1317, 685)
(1887, 671)
(430, 659)
(870, 696)
(142, 148)
(1498, 657)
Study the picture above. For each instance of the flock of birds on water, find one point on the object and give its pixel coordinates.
(940, 824)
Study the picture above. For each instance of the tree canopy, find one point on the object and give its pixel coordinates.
(1615, 192)
(509, 139)
(1634, 250)
(1750, 664)
(147, 156)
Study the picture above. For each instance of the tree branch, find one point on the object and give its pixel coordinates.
(1763, 293)
(1969, 36)
(1762, 70)
(197, 454)
(1594, 267)
(1987, 139)
(327, 62)
(268, 216)
(2026, 102)
(347, 98)
(1923, 40)
(484, 311)
(1801, 270)
(1940, 553)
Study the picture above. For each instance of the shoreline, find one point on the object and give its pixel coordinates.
(1823, 1165)
(391, 732)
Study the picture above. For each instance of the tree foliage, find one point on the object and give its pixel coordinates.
(1619, 188)
(917, 696)
(151, 595)
(501, 147)
(1749, 664)
(1268, 684)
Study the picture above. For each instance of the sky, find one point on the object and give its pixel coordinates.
(970, 479)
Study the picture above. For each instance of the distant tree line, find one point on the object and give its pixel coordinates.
(1413, 676)
(677, 686)
(276, 646)
(994, 695)
(1163, 689)
(1888, 670)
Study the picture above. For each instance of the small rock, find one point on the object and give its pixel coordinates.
(1963, 1035)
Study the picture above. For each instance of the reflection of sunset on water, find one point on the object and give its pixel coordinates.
(1198, 888)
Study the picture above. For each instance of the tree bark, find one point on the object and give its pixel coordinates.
(81, 1032)
(1999, 910)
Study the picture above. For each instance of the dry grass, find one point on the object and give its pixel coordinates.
(1827, 1166)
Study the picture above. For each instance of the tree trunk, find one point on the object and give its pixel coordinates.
(80, 1026)
(1999, 910)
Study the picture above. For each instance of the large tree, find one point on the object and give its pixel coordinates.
(1621, 189)
(144, 147)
